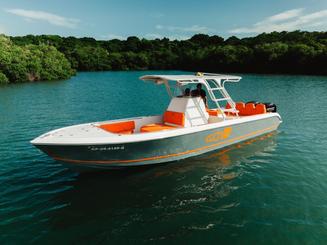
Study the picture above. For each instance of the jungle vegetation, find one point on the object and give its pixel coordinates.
(51, 57)
(30, 62)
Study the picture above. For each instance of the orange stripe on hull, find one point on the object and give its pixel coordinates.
(164, 156)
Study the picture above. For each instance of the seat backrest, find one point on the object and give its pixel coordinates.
(260, 109)
(174, 118)
(240, 106)
(249, 109)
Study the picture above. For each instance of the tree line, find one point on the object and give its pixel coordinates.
(51, 57)
(30, 62)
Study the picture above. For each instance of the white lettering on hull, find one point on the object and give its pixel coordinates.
(107, 148)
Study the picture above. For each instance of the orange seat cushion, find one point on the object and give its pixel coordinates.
(119, 127)
(260, 109)
(249, 109)
(176, 118)
(155, 127)
(213, 112)
(240, 106)
(228, 106)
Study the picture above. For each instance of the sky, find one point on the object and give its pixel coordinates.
(175, 19)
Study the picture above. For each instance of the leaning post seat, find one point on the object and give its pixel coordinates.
(126, 127)
(193, 108)
(181, 112)
(171, 120)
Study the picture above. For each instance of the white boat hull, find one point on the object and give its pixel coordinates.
(156, 148)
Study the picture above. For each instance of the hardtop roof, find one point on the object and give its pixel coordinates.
(159, 79)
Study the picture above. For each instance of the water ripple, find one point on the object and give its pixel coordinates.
(271, 186)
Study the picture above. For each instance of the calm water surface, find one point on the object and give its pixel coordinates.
(270, 190)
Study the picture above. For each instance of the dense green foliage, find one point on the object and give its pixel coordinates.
(277, 52)
(30, 62)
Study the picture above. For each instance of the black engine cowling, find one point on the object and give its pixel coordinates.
(270, 107)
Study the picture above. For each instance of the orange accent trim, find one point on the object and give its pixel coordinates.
(164, 156)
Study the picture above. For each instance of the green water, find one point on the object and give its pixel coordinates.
(271, 190)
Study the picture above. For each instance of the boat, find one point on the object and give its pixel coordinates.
(185, 129)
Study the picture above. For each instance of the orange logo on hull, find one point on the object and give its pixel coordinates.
(217, 136)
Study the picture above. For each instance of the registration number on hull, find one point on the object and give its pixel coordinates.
(107, 148)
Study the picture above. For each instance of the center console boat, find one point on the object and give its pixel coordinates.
(186, 128)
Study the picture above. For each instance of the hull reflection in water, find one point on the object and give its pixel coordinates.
(178, 189)
(232, 155)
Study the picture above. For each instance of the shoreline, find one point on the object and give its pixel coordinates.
(51, 57)
(158, 71)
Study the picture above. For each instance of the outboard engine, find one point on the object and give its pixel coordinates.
(270, 107)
